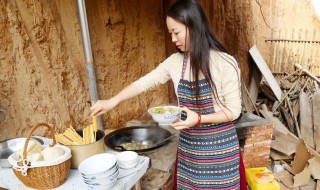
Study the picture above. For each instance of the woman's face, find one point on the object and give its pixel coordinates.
(179, 34)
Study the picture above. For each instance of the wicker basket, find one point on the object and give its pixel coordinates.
(45, 177)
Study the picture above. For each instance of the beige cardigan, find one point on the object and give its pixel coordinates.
(224, 71)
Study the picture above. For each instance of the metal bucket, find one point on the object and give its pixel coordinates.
(81, 152)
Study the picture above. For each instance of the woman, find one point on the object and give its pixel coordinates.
(207, 84)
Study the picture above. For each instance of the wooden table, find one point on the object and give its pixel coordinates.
(126, 180)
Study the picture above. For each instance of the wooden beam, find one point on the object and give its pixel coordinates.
(291, 40)
(285, 144)
(275, 121)
(254, 85)
(306, 124)
(264, 69)
(307, 72)
(316, 119)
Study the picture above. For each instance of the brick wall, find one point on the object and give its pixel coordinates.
(256, 148)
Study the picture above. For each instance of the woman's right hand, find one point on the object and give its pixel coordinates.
(103, 106)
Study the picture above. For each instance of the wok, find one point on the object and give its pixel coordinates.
(153, 136)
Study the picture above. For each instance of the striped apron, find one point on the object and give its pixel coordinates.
(208, 155)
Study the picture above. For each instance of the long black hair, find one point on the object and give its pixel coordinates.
(202, 39)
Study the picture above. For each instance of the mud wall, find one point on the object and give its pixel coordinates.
(42, 67)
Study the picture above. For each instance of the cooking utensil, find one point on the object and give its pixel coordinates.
(164, 140)
(147, 143)
(153, 136)
(81, 152)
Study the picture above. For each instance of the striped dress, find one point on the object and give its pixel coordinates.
(208, 155)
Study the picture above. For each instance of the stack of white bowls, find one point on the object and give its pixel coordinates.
(127, 159)
(100, 171)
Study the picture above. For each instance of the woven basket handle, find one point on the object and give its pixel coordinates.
(30, 133)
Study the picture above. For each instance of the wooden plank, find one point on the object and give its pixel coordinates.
(287, 181)
(264, 69)
(311, 186)
(311, 75)
(254, 84)
(279, 53)
(313, 152)
(271, 50)
(285, 144)
(292, 40)
(287, 59)
(316, 119)
(317, 89)
(276, 155)
(266, 90)
(275, 44)
(290, 67)
(249, 105)
(281, 174)
(275, 121)
(281, 44)
(295, 107)
(299, 50)
(287, 167)
(303, 57)
(293, 115)
(287, 118)
(314, 167)
(283, 187)
(301, 158)
(285, 178)
(306, 124)
(315, 50)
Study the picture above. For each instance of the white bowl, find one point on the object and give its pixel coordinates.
(171, 114)
(103, 181)
(100, 175)
(97, 164)
(127, 159)
(106, 173)
(102, 186)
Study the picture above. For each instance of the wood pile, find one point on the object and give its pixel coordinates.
(291, 101)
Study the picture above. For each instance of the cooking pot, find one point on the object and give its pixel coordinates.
(81, 152)
(154, 137)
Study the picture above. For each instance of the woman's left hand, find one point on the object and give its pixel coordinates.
(192, 119)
